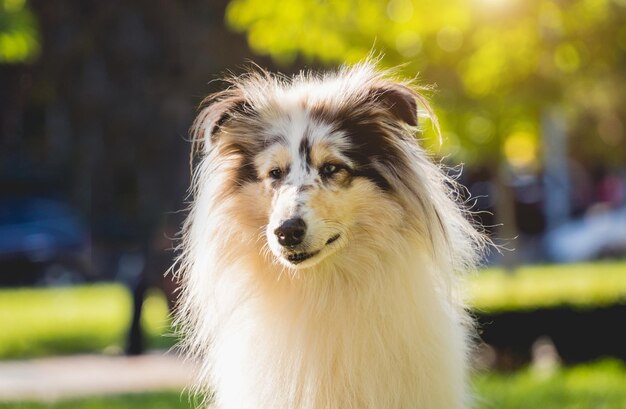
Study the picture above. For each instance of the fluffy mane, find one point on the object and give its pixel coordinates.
(383, 325)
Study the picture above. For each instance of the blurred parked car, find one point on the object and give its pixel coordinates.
(598, 234)
(42, 241)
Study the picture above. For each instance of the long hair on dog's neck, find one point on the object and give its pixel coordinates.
(336, 334)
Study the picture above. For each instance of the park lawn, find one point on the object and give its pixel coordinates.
(581, 286)
(159, 400)
(600, 385)
(95, 318)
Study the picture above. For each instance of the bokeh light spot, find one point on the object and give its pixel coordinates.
(520, 149)
(13, 5)
(450, 39)
(480, 129)
(567, 58)
(400, 11)
(409, 44)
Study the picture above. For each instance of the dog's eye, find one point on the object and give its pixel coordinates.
(328, 169)
(276, 173)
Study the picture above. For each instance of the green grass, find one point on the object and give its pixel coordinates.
(37, 322)
(160, 400)
(577, 285)
(600, 385)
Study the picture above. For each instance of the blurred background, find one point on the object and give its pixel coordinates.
(96, 99)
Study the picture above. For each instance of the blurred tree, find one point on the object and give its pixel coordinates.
(18, 32)
(100, 117)
(507, 72)
(499, 65)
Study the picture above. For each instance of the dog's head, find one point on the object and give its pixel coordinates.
(316, 163)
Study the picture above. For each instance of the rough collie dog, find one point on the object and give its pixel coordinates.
(319, 260)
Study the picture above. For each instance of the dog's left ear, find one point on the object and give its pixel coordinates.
(218, 109)
(400, 100)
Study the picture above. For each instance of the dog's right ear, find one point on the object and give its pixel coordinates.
(400, 100)
(216, 111)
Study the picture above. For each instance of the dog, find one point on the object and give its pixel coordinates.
(320, 258)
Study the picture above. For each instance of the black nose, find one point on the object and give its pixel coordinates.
(291, 232)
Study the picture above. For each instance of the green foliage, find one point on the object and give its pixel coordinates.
(18, 32)
(160, 400)
(532, 287)
(498, 64)
(599, 385)
(39, 322)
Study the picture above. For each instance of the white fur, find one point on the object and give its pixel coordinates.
(374, 321)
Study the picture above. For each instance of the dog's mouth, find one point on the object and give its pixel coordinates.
(333, 239)
(296, 258)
